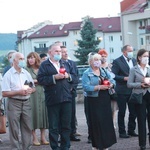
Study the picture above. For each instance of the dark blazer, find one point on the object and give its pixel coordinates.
(121, 69)
(56, 91)
(74, 70)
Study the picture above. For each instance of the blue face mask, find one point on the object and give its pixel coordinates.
(57, 57)
(22, 64)
(130, 55)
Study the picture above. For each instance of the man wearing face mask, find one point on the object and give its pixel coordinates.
(121, 67)
(18, 105)
(57, 79)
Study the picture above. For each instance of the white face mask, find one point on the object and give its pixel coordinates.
(130, 55)
(103, 60)
(97, 63)
(144, 60)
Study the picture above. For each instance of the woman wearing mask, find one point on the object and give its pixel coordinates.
(39, 111)
(107, 66)
(99, 107)
(137, 81)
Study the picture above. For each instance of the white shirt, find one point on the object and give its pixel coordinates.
(14, 81)
(144, 71)
(57, 66)
(130, 63)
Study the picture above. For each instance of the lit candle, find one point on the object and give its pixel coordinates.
(147, 80)
(25, 87)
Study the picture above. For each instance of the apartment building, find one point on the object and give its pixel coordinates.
(135, 23)
(39, 37)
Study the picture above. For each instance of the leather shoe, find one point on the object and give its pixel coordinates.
(132, 134)
(74, 138)
(124, 136)
(142, 147)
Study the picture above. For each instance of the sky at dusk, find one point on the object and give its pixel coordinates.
(18, 15)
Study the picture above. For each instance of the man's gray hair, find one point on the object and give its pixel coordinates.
(11, 51)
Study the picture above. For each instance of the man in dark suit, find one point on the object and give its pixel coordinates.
(57, 89)
(120, 68)
(71, 65)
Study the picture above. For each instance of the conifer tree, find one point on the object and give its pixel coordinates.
(88, 42)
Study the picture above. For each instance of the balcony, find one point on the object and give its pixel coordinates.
(41, 50)
(142, 27)
(148, 29)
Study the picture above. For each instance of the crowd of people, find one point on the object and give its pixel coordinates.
(40, 93)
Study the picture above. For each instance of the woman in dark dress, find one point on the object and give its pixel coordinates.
(99, 104)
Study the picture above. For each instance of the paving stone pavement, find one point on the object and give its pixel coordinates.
(122, 144)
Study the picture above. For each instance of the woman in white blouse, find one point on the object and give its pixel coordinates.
(138, 81)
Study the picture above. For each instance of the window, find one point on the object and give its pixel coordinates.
(64, 43)
(145, 22)
(120, 38)
(110, 38)
(140, 22)
(147, 40)
(53, 32)
(43, 45)
(75, 32)
(111, 50)
(110, 26)
(142, 42)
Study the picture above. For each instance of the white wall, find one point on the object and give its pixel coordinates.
(27, 45)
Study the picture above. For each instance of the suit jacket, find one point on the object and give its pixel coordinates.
(121, 69)
(73, 70)
(135, 80)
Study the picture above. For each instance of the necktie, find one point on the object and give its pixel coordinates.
(128, 59)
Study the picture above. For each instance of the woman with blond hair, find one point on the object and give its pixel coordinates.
(39, 111)
(99, 108)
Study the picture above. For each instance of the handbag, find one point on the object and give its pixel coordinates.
(112, 93)
(136, 98)
(2, 122)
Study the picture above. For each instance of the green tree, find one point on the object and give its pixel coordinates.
(88, 42)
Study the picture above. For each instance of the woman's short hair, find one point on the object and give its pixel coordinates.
(140, 53)
(37, 59)
(103, 52)
(92, 56)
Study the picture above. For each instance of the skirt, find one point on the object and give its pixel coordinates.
(100, 120)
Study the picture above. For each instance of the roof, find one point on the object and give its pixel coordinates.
(108, 24)
(138, 6)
